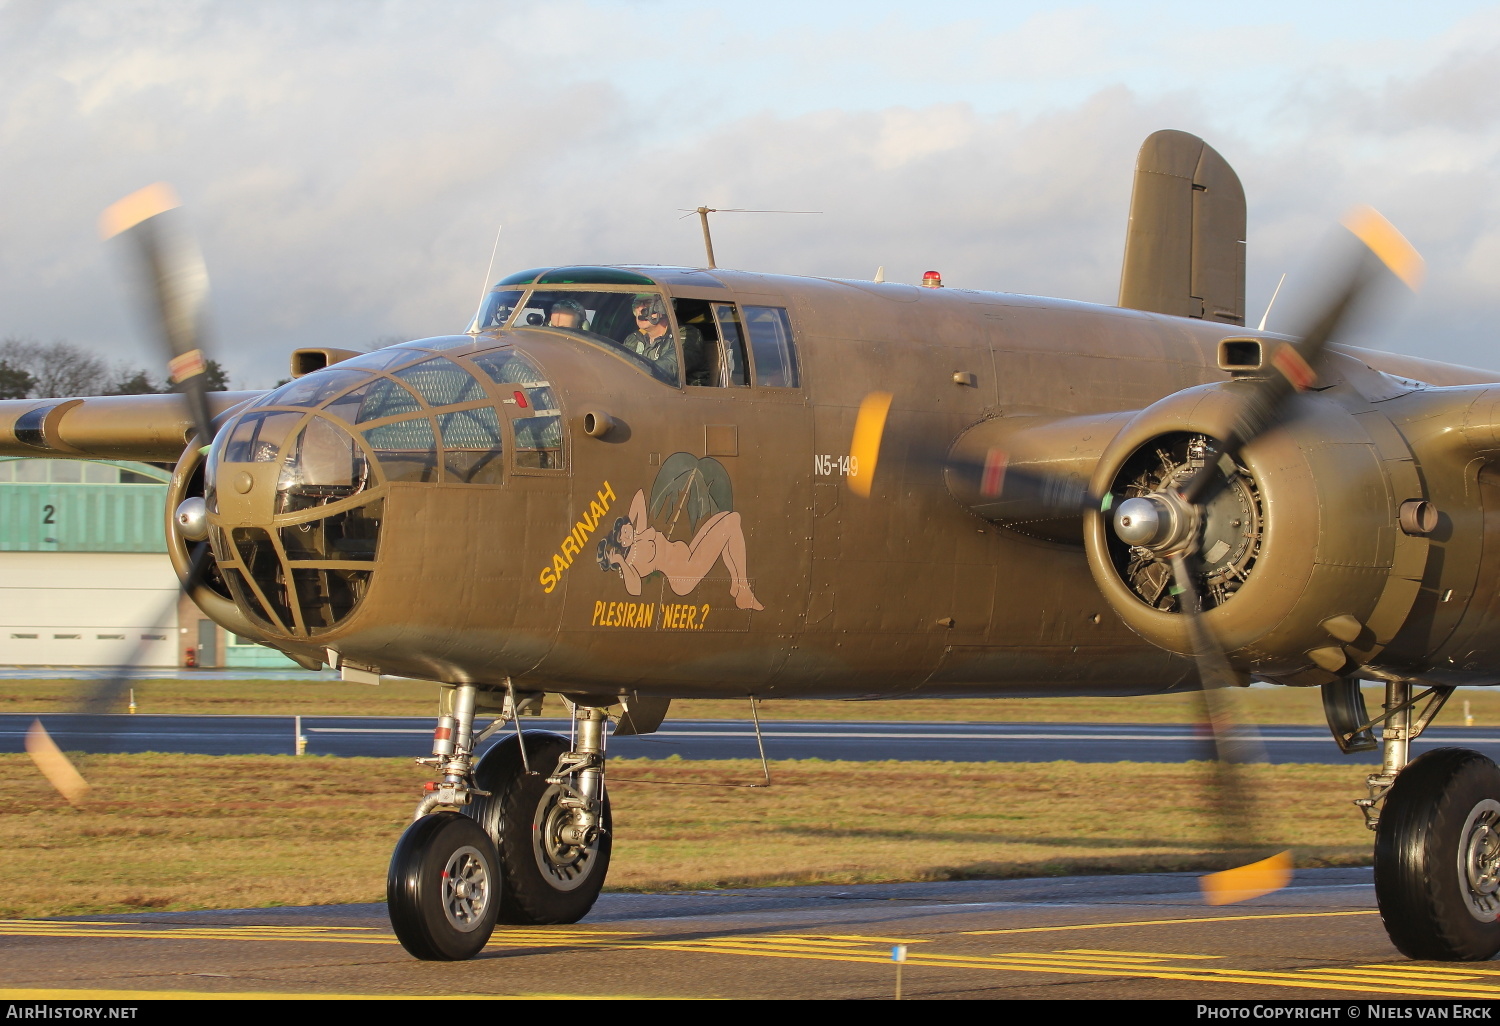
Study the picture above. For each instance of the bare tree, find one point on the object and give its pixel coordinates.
(128, 380)
(36, 370)
(15, 383)
(57, 369)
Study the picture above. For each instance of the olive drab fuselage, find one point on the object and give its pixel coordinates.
(534, 501)
(703, 540)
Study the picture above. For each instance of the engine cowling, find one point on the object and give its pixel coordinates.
(1306, 573)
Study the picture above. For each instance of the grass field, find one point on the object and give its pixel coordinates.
(179, 832)
(412, 698)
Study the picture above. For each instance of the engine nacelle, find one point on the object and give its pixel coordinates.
(1306, 572)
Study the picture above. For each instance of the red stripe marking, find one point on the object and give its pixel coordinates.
(1294, 368)
(180, 368)
(993, 478)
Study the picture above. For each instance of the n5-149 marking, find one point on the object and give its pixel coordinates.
(835, 466)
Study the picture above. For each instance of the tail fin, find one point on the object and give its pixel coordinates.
(1185, 247)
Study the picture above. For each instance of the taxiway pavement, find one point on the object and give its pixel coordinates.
(718, 739)
(1147, 936)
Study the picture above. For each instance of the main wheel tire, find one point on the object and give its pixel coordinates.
(443, 888)
(545, 881)
(1437, 857)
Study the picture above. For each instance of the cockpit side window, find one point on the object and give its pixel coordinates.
(719, 359)
(771, 345)
(700, 341)
(608, 320)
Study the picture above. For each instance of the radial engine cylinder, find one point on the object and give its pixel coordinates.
(1297, 540)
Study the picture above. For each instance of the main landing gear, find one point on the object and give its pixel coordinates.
(1437, 834)
(522, 837)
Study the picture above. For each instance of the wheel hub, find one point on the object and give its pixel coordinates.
(1479, 861)
(466, 889)
(566, 863)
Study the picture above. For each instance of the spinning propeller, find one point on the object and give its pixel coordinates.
(172, 287)
(1170, 521)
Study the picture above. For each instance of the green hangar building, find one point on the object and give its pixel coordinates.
(84, 575)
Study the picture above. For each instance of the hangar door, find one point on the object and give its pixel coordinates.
(87, 609)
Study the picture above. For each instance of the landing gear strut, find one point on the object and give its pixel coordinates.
(1437, 838)
(521, 837)
(552, 824)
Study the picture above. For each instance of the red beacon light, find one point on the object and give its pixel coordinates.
(932, 280)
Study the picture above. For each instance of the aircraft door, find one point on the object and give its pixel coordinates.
(208, 643)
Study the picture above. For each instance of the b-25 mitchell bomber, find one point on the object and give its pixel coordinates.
(629, 484)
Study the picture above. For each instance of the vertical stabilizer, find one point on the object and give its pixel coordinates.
(1185, 246)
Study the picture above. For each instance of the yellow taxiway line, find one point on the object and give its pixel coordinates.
(271, 995)
(1409, 980)
(1169, 922)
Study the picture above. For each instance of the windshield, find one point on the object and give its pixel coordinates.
(497, 308)
(633, 324)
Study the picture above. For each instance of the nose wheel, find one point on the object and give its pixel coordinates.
(443, 889)
(1437, 857)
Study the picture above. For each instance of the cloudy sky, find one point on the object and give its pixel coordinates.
(347, 164)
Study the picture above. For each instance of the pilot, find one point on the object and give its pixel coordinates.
(567, 313)
(654, 340)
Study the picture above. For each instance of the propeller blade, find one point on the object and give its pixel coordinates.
(174, 286)
(864, 449)
(1242, 883)
(1235, 744)
(55, 766)
(173, 283)
(996, 478)
(1298, 363)
(104, 698)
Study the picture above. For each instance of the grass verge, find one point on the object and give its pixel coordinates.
(183, 832)
(413, 698)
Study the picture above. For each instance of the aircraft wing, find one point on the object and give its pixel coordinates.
(149, 428)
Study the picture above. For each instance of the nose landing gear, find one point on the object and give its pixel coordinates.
(522, 837)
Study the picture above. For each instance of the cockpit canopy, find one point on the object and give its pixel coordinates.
(677, 341)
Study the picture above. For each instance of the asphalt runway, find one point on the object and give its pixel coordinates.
(1116, 937)
(717, 739)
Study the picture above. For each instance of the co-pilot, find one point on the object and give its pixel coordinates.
(567, 313)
